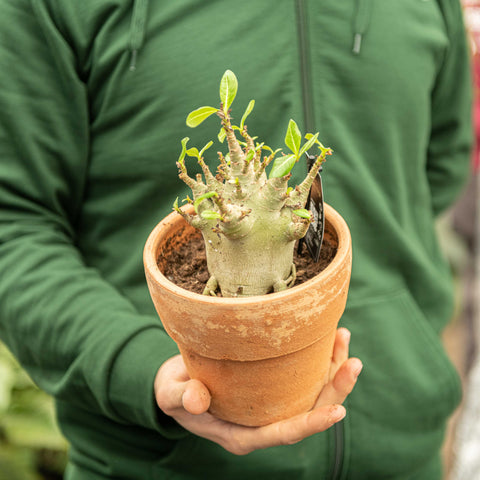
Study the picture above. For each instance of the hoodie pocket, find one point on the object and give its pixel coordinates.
(408, 381)
(405, 393)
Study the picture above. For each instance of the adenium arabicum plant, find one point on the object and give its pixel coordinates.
(249, 221)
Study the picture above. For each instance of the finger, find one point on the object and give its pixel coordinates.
(342, 384)
(173, 368)
(286, 432)
(340, 350)
(174, 390)
(196, 397)
(191, 396)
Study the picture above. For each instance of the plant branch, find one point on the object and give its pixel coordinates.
(196, 186)
(297, 229)
(300, 194)
(264, 165)
(274, 192)
(211, 181)
(237, 157)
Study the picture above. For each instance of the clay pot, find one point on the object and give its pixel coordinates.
(263, 358)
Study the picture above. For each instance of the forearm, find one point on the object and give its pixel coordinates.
(72, 331)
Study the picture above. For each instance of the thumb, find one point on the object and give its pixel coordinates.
(196, 397)
(174, 390)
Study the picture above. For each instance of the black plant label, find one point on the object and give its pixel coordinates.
(314, 237)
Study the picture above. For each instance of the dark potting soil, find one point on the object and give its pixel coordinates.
(186, 265)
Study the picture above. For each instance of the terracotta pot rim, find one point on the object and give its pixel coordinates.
(150, 262)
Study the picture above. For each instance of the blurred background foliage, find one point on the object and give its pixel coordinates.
(31, 446)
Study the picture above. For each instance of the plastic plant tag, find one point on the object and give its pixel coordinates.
(314, 237)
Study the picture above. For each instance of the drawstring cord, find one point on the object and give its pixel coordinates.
(361, 23)
(137, 30)
(139, 18)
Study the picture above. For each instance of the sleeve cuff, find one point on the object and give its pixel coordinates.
(132, 377)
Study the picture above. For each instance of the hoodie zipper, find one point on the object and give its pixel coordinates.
(305, 67)
(309, 119)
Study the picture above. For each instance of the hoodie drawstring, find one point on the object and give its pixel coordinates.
(137, 30)
(361, 23)
(139, 19)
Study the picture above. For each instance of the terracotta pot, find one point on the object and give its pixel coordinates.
(263, 358)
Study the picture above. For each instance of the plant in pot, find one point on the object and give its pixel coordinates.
(260, 344)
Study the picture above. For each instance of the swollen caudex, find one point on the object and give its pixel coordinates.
(249, 220)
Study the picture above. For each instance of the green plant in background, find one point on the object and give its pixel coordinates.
(250, 221)
(31, 446)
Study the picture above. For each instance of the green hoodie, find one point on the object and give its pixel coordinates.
(93, 99)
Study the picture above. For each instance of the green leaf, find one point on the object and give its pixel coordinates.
(250, 155)
(33, 431)
(272, 153)
(282, 166)
(248, 111)
(193, 152)
(210, 215)
(206, 147)
(308, 144)
(7, 382)
(203, 197)
(293, 137)
(324, 150)
(228, 89)
(175, 205)
(196, 117)
(222, 135)
(184, 150)
(303, 213)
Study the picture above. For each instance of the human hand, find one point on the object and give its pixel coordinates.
(187, 401)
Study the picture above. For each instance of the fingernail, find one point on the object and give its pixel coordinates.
(358, 368)
(338, 413)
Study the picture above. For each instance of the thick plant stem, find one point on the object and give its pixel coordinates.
(300, 194)
(237, 157)
(212, 182)
(297, 230)
(249, 221)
